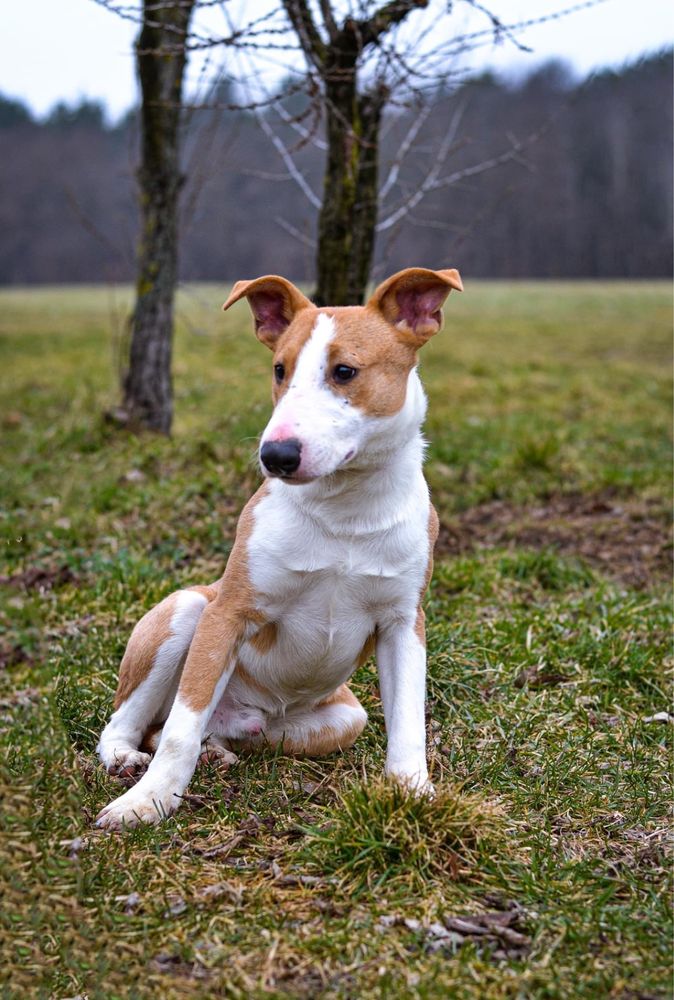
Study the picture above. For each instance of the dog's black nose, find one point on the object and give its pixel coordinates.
(281, 458)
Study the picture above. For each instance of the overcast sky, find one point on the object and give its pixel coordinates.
(54, 50)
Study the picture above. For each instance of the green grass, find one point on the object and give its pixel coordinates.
(540, 868)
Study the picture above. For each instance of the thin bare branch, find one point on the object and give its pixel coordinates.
(307, 241)
(445, 227)
(430, 181)
(433, 182)
(309, 37)
(372, 28)
(294, 173)
(266, 175)
(404, 148)
(328, 19)
(499, 29)
(287, 158)
(307, 135)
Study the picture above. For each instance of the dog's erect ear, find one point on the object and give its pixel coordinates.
(273, 302)
(412, 300)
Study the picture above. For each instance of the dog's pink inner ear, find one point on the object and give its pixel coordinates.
(269, 312)
(420, 307)
(273, 301)
(412, 301)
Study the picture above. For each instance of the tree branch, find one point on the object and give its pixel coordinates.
(328, 19)
(307, 241)
(431, 179)
(309, 37)
(433, 182)
(306, 135)
(293, 170)
(371, 29)
(405, 146)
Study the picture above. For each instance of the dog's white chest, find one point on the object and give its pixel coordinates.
(327, 592)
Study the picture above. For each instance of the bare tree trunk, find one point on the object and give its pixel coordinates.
(348, 216)
(343, 134)
(367, 195)
(161, 59)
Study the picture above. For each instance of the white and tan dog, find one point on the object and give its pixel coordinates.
(331, 559)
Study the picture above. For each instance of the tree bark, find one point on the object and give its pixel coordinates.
(348, 216)
(366, 205)
(161, 58)
(343, 134)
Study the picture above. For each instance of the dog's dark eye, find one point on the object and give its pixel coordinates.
(342, 373)
(279, 372)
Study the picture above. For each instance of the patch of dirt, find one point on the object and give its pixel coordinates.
(40, 578)
(21, 699)
(535, 677)
(498, 934)
(13, 653)
(628, 539)
(172, 965)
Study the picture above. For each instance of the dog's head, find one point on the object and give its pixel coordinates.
(344, 386)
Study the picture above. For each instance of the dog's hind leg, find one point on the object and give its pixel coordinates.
(333, 724)
(149, 676)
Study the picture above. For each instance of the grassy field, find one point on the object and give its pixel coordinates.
(540, 869)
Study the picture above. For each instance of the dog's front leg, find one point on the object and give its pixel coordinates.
(207, 670)
(401, 663)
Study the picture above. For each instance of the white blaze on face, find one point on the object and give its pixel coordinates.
(311, 369)
(324, 423)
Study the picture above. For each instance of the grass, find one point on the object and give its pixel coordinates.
(377, 833)
(540, 868)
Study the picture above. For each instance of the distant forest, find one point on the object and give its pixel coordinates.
(590, 197)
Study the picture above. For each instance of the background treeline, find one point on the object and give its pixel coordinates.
(591, 197)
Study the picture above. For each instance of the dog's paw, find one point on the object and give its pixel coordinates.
(426, 788)
(215, 753)
(137, 806)
(415, 781)
(129, 764)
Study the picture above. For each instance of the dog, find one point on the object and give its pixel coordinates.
(331, 559)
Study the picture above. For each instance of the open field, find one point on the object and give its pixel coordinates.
(541, 868)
